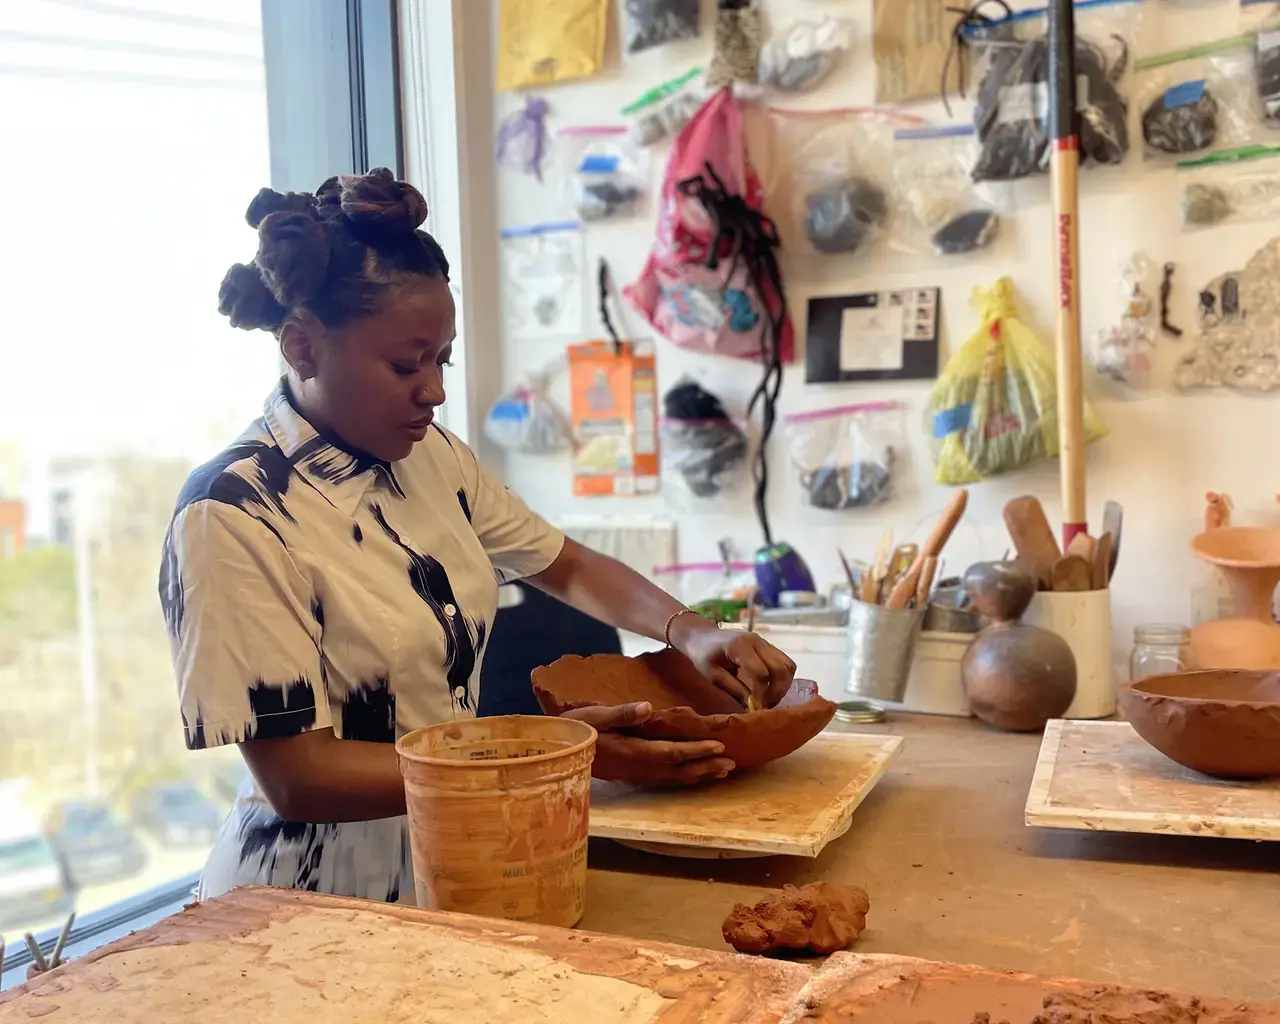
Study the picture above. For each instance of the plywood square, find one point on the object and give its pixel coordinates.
(1104, 776)
(796, 805)
(302, 958)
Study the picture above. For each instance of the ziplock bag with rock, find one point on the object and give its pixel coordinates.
(525, 420)
(651, 23)
(804, 54)
(833, 173)
(1011, 66)
(1262, 19)
(666, 108)
(711, 282)
(940, 210)
(735, 58)
(846, 456)
(1194, 100)
(994, 408)
(542, 269)
(1230, 187)
(608, 174)
(704, 452)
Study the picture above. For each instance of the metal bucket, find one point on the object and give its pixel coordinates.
(498, 814)
(882, 643)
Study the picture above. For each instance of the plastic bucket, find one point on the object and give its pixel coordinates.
(498, 813)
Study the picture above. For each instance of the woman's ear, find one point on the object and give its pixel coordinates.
(299, 343)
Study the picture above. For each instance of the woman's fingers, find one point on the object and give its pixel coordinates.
(659, 762)
(782, 672)
(606, 719)
(731, 684)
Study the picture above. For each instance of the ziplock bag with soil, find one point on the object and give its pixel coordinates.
(608, 175)
(1230, 187)
(846, 456)
(704, 452)
(1011, 66)
(542, 269)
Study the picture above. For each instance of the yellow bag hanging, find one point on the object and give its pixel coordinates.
(994, 407)
(545, 41)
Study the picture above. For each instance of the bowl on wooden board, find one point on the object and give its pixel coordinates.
(1218, 722)
(686, 706)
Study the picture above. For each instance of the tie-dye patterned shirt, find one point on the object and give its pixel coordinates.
(306, 586)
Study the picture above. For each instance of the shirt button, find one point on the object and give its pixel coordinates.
(450, 610)
(459, 692)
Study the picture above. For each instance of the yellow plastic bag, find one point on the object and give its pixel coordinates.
(541, 42)
(994, 407)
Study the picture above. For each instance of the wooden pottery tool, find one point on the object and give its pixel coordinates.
(1102, 562)
(1113, 523)
(1073, 573)
(753, 704)
(1084, 546)
(873, 582)
(905, 589)
(1032, 538)
(925, 586)
(1064, 168)
(849, 574)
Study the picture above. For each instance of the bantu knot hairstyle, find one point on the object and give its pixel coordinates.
(332, 254)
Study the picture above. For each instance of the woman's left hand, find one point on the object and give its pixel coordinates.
(740, 663)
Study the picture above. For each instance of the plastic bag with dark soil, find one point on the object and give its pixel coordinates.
(653, 23)
(1011, 110)
(846, 457)
(704, 452)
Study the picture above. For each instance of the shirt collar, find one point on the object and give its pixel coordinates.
(341, 473)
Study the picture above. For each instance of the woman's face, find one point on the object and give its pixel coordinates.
(377, 381)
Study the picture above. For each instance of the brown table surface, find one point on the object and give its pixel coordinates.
(955, 875)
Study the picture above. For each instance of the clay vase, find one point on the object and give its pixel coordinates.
(1016, 676)
(1249, 557)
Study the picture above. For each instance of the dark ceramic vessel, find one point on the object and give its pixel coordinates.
(685, 705)
(1220, 723)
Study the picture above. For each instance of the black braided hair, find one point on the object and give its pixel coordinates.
(332, 254)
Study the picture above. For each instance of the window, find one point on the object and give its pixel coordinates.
(151, 124)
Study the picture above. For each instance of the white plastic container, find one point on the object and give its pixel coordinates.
(934, 686)
(1083, 620)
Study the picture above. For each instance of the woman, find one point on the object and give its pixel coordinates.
(328, 581)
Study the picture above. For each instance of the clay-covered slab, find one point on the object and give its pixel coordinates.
(1221, 723)
(686, 706)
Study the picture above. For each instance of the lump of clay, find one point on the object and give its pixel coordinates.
(975, 229)
(843, 217)
(1178, 122)
(822, 917)
(686, 706)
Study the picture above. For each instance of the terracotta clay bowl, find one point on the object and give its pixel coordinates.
(686, 706)
(1221, 723)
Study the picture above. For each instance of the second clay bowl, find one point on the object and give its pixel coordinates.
(1220, 723)
(685, 705)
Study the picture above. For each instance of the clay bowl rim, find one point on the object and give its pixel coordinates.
(1137, 690)
(1236, 563)
(496, 762)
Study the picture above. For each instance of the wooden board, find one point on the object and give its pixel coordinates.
(903, 990)
(795, 806)
(300, 958)
(1103, 776)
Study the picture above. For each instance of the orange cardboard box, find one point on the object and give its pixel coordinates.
(614, 408)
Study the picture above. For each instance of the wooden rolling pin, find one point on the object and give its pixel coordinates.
(905, 589)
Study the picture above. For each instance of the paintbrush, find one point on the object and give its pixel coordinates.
(752, 703)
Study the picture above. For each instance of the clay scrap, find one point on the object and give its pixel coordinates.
(686, 706)
(822, 917)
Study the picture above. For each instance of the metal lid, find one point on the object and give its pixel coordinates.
(859, 712)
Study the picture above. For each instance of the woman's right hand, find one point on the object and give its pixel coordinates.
(622, 758)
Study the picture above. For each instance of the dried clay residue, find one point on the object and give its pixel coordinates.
(822, 917)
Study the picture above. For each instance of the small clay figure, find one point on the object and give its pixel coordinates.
(1217, 511)
(1016, 676)
(823, 917)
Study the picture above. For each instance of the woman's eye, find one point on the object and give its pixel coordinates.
(404, 371)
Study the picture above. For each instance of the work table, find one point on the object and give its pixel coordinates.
(955, 875)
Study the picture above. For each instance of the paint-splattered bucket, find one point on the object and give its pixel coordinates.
(498, 814)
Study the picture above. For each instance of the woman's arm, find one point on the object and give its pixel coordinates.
(317, 778)
(739, 663)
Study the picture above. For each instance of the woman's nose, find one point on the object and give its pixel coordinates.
(430, 394)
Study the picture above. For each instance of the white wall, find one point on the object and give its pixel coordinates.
(1163, 452)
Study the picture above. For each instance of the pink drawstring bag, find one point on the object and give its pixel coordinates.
(712, 282)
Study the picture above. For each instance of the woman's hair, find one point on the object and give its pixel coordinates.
(332, 254)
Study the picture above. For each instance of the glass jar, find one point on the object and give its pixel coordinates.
(1159, 649)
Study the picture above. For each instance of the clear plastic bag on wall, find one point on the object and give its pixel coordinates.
(719, 590)
(846, 457)
(651, 23)
(832, 174)
(543, 286)
(702, 460)
(1262, 19)
(609, 174)
(666, 108)
(1192, 101)
(1229, 187)
(940, 209)
(804, 54)
(527, 421)
(1011, 108)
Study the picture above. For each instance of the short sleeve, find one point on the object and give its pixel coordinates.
(243, 629)
(518, 541)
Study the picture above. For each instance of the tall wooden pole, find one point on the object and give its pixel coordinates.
(1064, 169)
